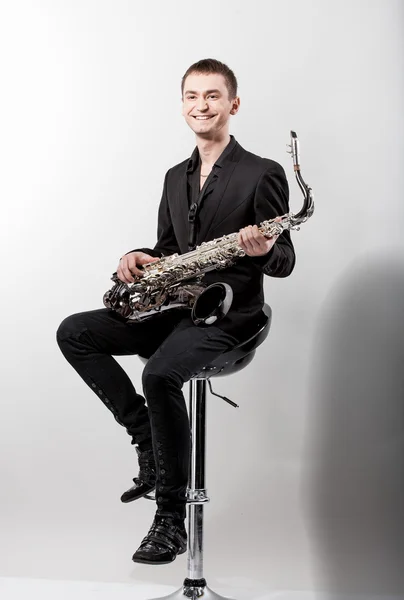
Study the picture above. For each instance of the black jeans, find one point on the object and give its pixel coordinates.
(176, 349)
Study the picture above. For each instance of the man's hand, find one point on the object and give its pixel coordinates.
(251, 240)
(128, 265)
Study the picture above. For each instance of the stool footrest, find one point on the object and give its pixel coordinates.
(197, 496)
(193, 497)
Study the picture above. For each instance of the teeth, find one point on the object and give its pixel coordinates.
(202, 118)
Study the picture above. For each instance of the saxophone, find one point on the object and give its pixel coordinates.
(176, 281)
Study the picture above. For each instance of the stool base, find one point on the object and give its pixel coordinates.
(193, 593)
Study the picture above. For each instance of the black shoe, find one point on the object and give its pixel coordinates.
(166, 539)
(145, 482)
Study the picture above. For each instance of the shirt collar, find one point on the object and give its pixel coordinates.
(193, 161)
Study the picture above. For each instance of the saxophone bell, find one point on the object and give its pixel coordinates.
(212, 304)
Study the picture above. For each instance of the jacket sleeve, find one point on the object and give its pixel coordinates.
(166, 241)
(272, 200)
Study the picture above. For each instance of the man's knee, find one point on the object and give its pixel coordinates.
(157, 380)
(71, 326)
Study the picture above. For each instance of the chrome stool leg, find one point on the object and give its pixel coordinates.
(195, 586)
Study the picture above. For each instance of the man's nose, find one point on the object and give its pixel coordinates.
(202, 104)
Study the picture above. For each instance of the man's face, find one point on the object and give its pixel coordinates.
(206, 105)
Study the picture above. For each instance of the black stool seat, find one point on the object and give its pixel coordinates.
(239, 356)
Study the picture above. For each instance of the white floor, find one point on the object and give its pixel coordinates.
(13, 588)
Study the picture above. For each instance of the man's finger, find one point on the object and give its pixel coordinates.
(119, 271)
(121, 275)
(258, 237)
(127, 274)
(246, 240)
(134, 271)
(144, 259)
(125, 265)
(258, 241)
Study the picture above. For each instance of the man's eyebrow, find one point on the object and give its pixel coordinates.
(207, 92)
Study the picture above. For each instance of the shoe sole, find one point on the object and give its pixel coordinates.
(152, 562)
(137, 497)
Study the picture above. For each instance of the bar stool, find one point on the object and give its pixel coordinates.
(195, 586)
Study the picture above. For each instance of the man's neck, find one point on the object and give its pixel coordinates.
(210, 150)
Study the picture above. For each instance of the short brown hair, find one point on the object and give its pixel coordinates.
(208, 66)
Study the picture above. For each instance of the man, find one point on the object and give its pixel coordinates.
(227, 189)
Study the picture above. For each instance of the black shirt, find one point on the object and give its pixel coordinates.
(200, 198)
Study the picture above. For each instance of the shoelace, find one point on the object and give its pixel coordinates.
(146, 457)
(147, 467)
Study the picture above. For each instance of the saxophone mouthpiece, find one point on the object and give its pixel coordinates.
(294, 150)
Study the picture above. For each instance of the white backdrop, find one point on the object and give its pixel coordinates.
(306, 477)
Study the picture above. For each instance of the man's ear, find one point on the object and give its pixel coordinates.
(235, 106)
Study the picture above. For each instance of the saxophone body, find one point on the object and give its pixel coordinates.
(176, 281)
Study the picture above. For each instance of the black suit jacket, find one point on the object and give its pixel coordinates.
(249, 189)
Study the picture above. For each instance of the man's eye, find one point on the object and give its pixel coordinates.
(191, 97)
(212, 96)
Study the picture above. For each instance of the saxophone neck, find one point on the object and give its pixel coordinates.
(308, 204)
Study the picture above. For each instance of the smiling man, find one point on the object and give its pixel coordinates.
(220, 189)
